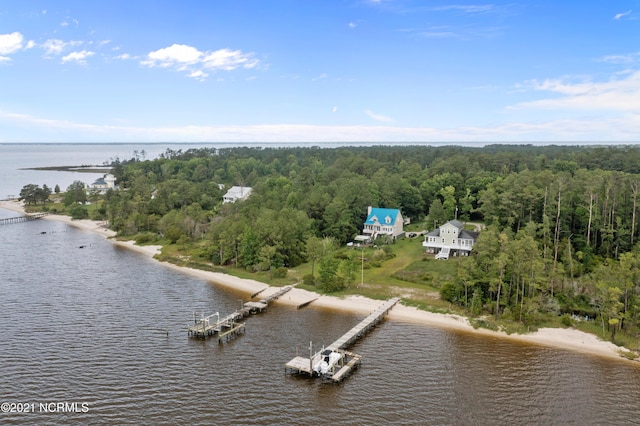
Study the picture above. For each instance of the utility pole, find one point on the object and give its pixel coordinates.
(362, 267)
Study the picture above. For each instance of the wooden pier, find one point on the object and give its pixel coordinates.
(349, 360)
(24, 218)
(230, 325)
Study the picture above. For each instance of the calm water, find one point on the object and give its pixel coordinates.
(90, 326)
(15, 157)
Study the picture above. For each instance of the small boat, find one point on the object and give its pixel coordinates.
(328, 360)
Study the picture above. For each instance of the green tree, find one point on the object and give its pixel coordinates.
(29, 193)
(76, 193)
(349, 268)
(78, 212)
(437, 215)
(267, 256)
(328, 280)
(315, 250)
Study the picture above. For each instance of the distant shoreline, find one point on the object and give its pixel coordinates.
(80, 169)
(569, 339)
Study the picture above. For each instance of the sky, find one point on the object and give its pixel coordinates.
(389, 71)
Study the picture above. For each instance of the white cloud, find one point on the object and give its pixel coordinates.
(124, 56)
(352, 24)
(173, 55)
(478, 8)
(10, 43)
(53, 47)
(191, 60)
(30, 44)
(335, 109)
(65, 23)
(228, 60)
(617, 94)
(378, 117)
(622, 129)
(620, 59)
(320, 77)
(79, 57)
(199, 75)
(622, 15)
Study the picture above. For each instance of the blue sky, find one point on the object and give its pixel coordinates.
(313, 71)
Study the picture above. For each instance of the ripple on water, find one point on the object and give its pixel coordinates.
(91, 325)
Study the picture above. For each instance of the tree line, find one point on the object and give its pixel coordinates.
(562, 221)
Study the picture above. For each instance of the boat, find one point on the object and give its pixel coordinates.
(328, 359)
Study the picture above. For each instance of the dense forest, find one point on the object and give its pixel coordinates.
(561, 233)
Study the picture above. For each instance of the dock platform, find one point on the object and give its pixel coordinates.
(230, 325)
(349, 360)
(24, 218)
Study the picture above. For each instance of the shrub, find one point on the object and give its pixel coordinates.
(79, 212)
(449, 292)
(308, 280)
(280, 272)
(378, 255)
(146, 238)
(566, 320)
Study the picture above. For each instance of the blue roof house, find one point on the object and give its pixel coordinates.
(383, 222)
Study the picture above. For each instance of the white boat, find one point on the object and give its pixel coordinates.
(328, 359)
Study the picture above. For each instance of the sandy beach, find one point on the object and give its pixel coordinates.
(569, 339)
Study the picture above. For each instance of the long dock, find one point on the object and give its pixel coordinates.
(24, 218)
(230, 325)
(349, 360)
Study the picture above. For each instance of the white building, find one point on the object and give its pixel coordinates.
(103, 184)
(383, 222)
(236, 193)
(450, 238)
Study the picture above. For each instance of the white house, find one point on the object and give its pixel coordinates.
(236, 193)
(103, 184)
(383, 222)
(450, 238)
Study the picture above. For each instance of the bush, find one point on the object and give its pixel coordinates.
(280, 272)
(146, 238)
(566, 320)
(450, 292)
(79, 212)
(308, 280)
(378, 255)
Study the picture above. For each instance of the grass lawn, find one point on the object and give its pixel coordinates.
(396, 276)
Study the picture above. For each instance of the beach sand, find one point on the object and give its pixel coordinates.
(569, 339)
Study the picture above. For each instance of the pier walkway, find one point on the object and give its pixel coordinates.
(24, 218)
(349, 360)
(229, 325)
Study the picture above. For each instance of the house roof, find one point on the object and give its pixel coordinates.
(238, 191)
(382, 216)
(456, 223)
(464, 234)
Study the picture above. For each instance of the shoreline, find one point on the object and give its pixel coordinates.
(568, 339)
